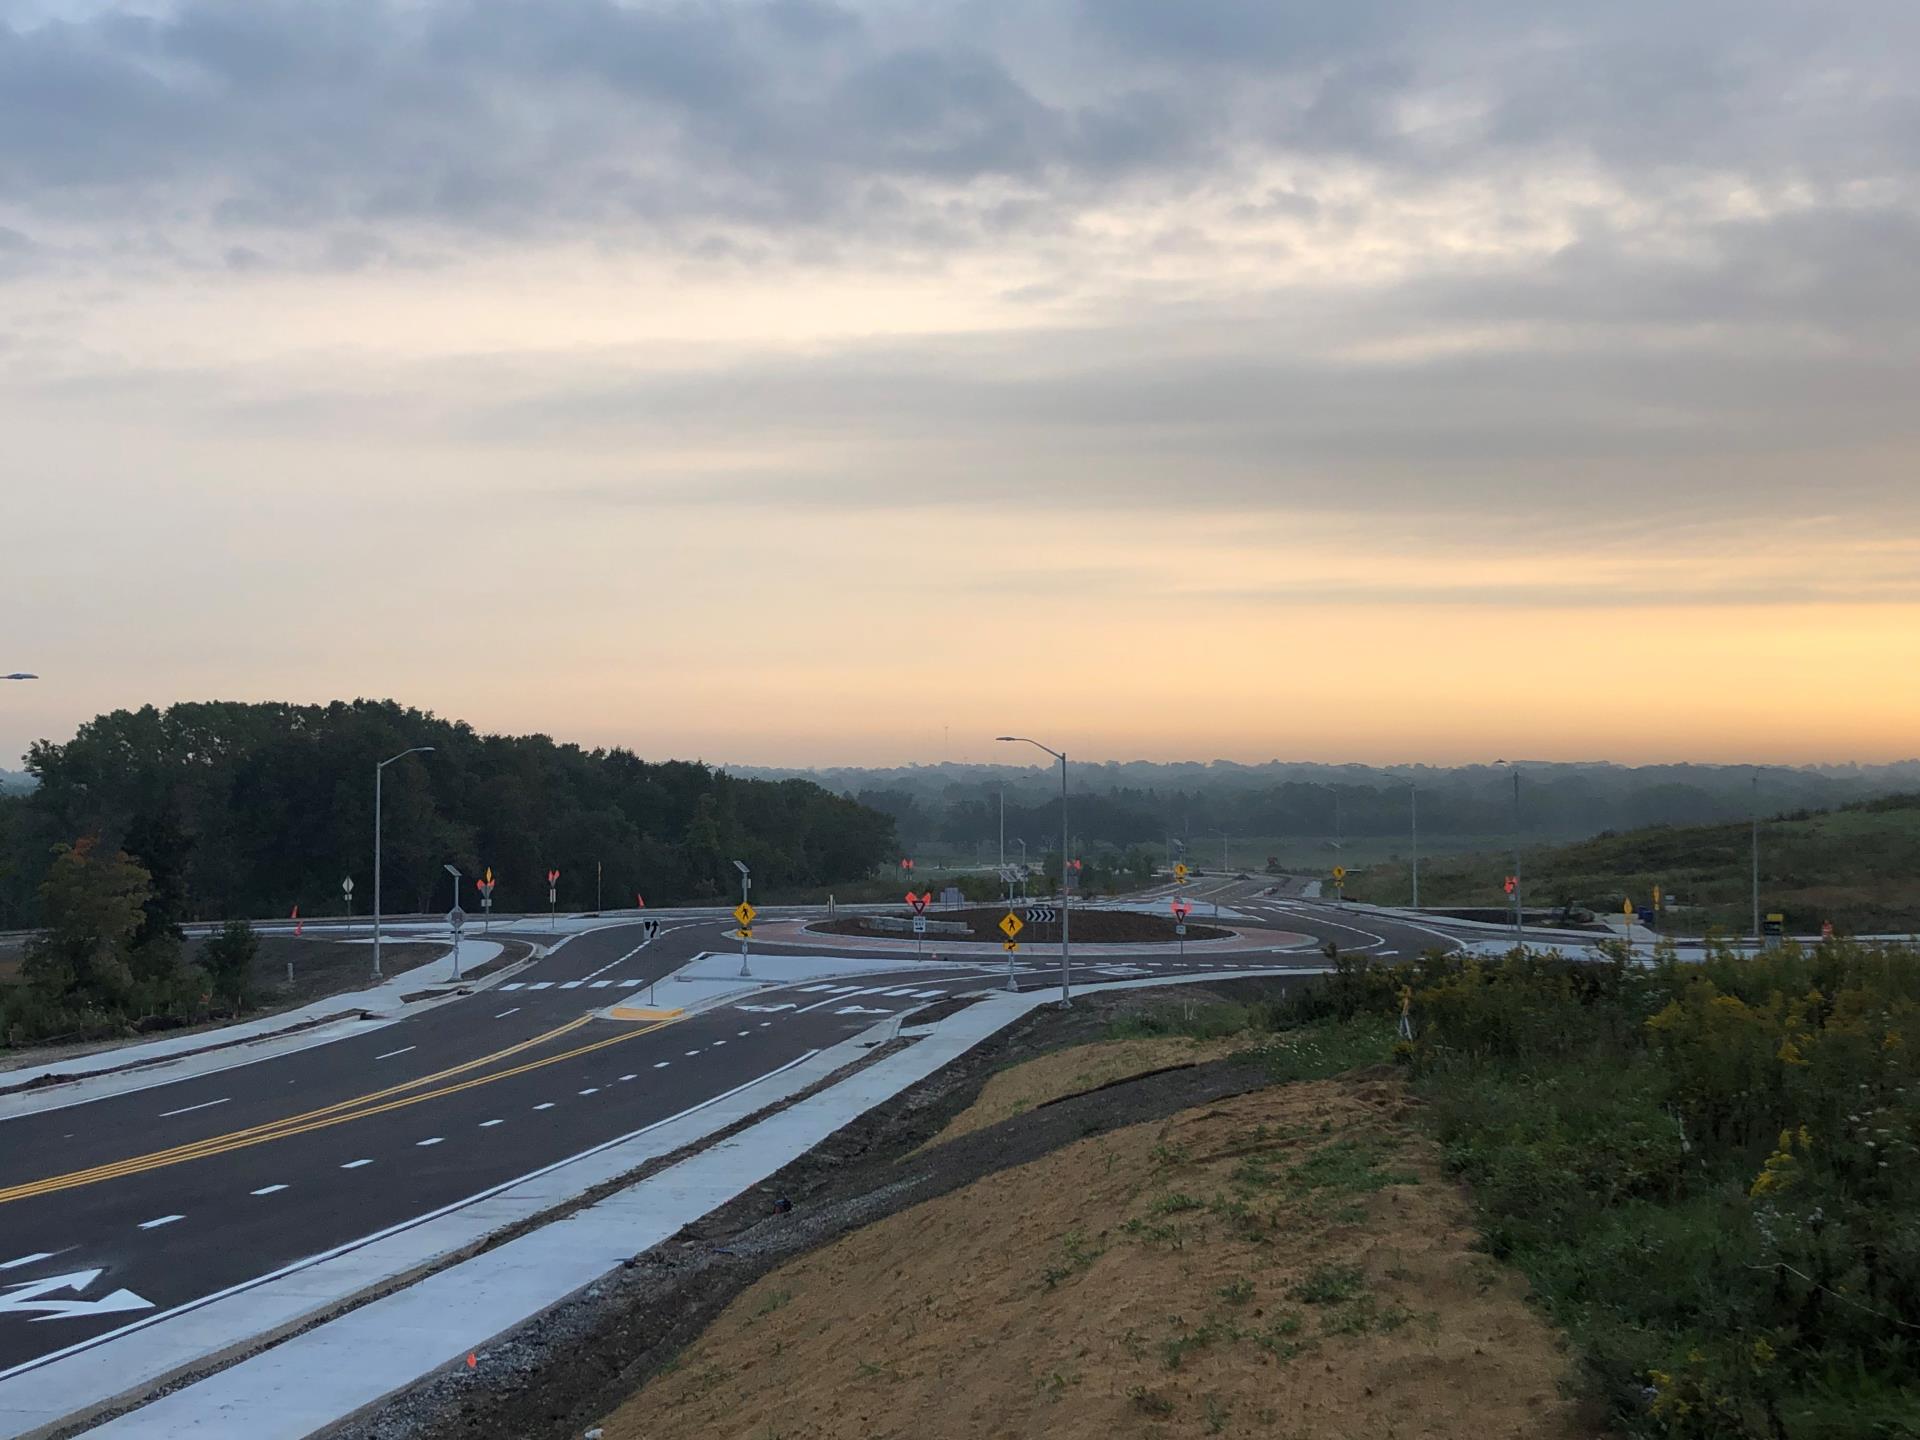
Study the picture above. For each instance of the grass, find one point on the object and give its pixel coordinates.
(1858, 866)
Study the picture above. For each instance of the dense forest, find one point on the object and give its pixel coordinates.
(250, 809)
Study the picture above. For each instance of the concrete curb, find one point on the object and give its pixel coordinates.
(334, 1371)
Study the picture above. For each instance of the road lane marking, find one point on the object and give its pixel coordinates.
(189, 1109)
(355, 1164)
(631, 984)
(629, 1077)
(514, 985)
(435, 1140)
(603, 984)
(692, 1053)
(541, 985)
(722, 1042)
(489, 1124)
(358, 1108)
(851, 1010)
(28, 1259)
(591, 1090)
(571, 984)
(267, 1190)
(814, 989)
(163, 1220)
(504, 1013)
(663, 1065)
(401, 1051)
(545, 1105)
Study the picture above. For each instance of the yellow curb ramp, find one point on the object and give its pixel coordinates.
(641, 1012)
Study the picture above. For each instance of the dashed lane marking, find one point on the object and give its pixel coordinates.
(489, 1124)
(504, 1013)
(189, 1109)
(514, 985)
(163, 1220)
(355, 1164)
(663, 1065)
(28, 1259)
(544, 1105)
(401, 1051)
(603, 984)
(571, 984)
(541, 985)
(430, 1140)
(591, 1090)
(267, 1190)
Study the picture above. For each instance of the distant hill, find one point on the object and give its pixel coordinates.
(15, 780)
(954, 810)
(1858, 866)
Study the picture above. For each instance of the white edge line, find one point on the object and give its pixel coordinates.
(189, 1109)
(379, 1235)
(28, 1259)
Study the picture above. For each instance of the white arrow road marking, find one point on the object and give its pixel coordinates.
(19, 1299)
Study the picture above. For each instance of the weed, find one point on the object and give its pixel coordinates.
(1150, 1402)
(1329, 1284)
(1216, 1415)
(1237, 1291)
(777, 1300)
(1173, 1203)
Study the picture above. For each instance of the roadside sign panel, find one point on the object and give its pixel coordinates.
(1010, 946)
(919, 924)
(456, 919)
(1180, 871)
(1339, 872)
(1011, 926)
(744, 913)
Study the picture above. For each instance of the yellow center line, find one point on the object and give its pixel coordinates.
(358, 1109)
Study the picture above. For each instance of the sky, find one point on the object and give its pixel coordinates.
(832, 383)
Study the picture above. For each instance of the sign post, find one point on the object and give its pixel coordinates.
(346, 889)
(743, 913)
(919, 904)
(456, 922)
(1340, 883)
(1010, 926)
(1181, 909)
(1180, 873)
(485, 887)
(553, 899)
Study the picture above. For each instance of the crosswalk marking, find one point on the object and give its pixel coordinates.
(571, 984)
(514, 985)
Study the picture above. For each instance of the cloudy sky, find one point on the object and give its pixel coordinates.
(809, 382)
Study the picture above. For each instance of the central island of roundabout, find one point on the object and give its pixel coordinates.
(974, 933)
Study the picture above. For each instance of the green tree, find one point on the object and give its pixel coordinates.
(94, 905)
(228, 960)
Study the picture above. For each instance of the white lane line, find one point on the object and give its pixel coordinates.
(629, 1077)
(571, 984)
(544, 1105)
(514, 985)
(744, 1032)
(692, 1053)
(907, 991)
(267, 1190)
(591, 1090)
(401, 1051)
(541, 985)
(603, 984)
(489, 1124)
(435, 1140)
(928, 994)
(504, 1013)
(355, 1164)
(663, 1065)
(631, 984)
(814, 989)
(28, 1259)
(163, 1220)
(189, 1109)
(719, 1042)
(766, 1024)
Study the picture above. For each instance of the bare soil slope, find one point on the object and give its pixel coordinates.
(1288, 1262)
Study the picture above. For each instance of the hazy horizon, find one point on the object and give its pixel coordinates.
(807, 382)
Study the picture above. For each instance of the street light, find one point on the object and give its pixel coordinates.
(1519, 917)
(1066, 892)
(378, 771)
(746, 884)
(452, 926)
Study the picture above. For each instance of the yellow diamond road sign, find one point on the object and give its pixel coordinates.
(1011, 946)
(744, 913)
(1179, 872)
(1339, 872)
(1011, 926)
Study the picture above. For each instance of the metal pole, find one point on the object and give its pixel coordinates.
(379, 772)
(1003, 827)
(746, 884)
(599, 897)
(1519, 915)
(1413, 797)
(1066, 893)
(1754, 810)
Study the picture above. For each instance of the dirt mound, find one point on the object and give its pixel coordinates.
(1285, 1262)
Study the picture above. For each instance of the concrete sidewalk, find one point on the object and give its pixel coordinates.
(332, 1371)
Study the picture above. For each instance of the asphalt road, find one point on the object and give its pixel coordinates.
(184, 1191)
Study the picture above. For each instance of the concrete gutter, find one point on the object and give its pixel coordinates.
(336, 1370)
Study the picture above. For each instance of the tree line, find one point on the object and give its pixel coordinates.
(238, 809)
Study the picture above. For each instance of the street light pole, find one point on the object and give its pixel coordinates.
(746, 884)
(451, 926)
(1519, 916)
(1003, 827)
(378, 771)
(1413, 800)
(1066, 890)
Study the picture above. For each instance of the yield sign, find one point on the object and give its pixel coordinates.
(31, 1297)
(553, 877)
(1182, 908)
(919, 902)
